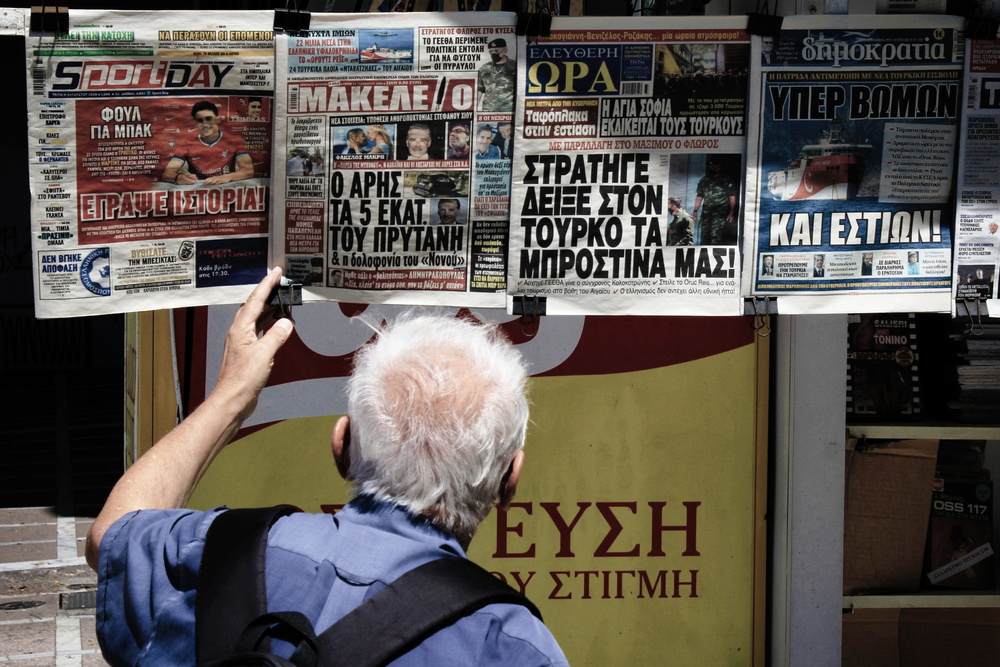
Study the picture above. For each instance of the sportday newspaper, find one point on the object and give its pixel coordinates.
(851, 163)
(977, 239)
(627, 167)
(149, 149)
(394, 138)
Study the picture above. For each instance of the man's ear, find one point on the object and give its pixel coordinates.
(341, 446)
(508, 485)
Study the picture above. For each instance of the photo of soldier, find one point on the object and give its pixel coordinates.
(497, 79)
(715, 204)
(681, 229)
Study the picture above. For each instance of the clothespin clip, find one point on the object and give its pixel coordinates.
(291, 20)
(285, 295)
(975, 321)
(763, 23)
(528, 320)
(49, 19)
(981, 25)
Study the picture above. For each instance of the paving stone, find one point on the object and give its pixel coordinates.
(23, 638)
(28, 552)
(29, 531)
(27, 515)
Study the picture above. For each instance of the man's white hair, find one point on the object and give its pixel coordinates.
(438, 412)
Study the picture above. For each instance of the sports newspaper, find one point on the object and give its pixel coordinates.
(628, 165)
(149, 149)
(977, 228)
(393, 156)
(851, 161)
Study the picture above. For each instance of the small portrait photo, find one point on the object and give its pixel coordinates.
(421, 141)
(819, 265)
(448, 212)
(913, 263)
(767, 265)
(485, 148)
(867, 260)
(459, 140)
(336, 278)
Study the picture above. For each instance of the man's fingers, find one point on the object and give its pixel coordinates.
(251, 310)
(277, 336)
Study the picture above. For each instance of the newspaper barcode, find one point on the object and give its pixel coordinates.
(959, 47)
(635, 89)
(38, 80)
(293, 98)
(970, 100)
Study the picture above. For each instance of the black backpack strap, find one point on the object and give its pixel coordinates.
(412, 608)
(231, 587)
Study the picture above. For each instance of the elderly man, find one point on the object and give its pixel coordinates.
(433, 438)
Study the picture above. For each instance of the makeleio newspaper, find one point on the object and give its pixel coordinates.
(149, 149)
(977, 241)
(394, 139)
(851, 161)
(628, 165)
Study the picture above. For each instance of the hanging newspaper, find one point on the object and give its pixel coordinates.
(977, 240)
(149, 149)
(851, 160)
(626, 184)
(394, 137)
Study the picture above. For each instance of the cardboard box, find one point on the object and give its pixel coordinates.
(887, 501)
(871, 638)
(959, 551)
(944, 637)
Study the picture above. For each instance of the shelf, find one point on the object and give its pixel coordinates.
(926, 430)
(924, 600)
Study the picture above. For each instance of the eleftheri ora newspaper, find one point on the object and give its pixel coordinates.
(627, 167)
(851, 160)
(392, 159)
(149, 149)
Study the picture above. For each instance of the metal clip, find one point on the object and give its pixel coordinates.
(285, 295)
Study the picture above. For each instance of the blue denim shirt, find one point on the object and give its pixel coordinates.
(318, 564)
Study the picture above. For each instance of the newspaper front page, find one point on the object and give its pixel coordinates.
(393, 154)
(149, 149)
(977, 240)
(851, 162)
(628, 165)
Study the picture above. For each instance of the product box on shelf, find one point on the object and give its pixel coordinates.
(886, 504)
(959, 551)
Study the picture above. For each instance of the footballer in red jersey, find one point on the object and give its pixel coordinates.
(216, 156)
